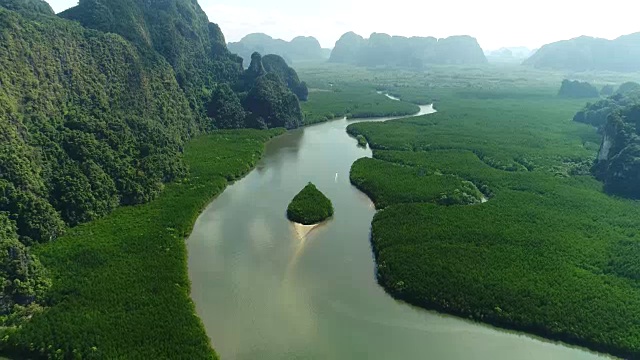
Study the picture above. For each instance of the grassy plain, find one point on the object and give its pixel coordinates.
(549, 253)
(120, 284)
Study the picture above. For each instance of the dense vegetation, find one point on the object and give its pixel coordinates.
(387, 184)
(578, 89)
(352, 102)
(275, 64)
(618, 164)
(84, 136)
(120, 285)
(301, 48)
(310, 206)
(587, 53)
(596, 114)
(178, 30)
(28, 7)
(91, 120)
(549, 253)
(24, 281)
(385, 50)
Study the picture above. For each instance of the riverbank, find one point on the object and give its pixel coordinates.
(120, 284)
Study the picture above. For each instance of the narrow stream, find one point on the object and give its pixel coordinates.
(265, 291)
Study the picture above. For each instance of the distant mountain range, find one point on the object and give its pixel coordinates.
(579, 54)
(384, 50)
(587, 53)
(301, 48)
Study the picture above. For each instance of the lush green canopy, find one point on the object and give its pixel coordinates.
(96, 113)
(618, 163)
(578, 89)
(310, 206)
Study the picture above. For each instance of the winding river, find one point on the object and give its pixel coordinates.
(265, 290)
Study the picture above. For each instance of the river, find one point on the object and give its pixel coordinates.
(264, 291)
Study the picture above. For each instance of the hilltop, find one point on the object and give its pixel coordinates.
(587, 53)
(301, 48)
(385, 50)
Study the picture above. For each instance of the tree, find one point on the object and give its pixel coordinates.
(578, 89)
(224, 109)
(22, 277)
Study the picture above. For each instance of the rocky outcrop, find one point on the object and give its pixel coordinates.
(618, 162)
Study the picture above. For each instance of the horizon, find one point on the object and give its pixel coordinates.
(500, 24)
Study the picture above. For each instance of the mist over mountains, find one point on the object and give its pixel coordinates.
(382, 49)
(586, 53)
(301, 48)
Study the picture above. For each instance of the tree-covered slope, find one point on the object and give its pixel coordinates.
(177, 29)
(28, 7)
(385, 50)
(587, 53)
(276, 64)
(618, 163)
(301, 48)
(597, 114)
(88, 123)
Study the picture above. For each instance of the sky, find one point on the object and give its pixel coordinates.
(495, 23)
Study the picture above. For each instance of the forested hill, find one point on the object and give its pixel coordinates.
(95, 113)
(28, 7)
(385, 50)
(301, 48)
(586, 53)
(176, 29)
(618, 119)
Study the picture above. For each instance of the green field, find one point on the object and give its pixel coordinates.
(549, 253)
(120, 284)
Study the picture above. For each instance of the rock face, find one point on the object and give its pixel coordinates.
(385, 50)
(587, 53)
(618, 163)
(301, 48)
(275, 64)
(310, 206)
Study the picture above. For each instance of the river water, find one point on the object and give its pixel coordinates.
(266, 291)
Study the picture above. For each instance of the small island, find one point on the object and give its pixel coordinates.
(310, 206)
